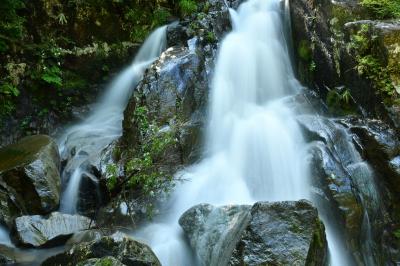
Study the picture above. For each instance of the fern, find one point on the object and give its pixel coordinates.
(52, 76)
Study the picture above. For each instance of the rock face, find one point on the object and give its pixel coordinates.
(119, 246)
(173, 93)
(39, 231)
(281, 233)
(323, 37)
(354, 177)
(29, 177)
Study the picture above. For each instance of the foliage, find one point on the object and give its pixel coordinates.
(187, 7)
(142, 169)
(383, 9)
(370, 66)
(340, 102)
(7, 92)
(11, 24)
(396, 233)
(52, 75)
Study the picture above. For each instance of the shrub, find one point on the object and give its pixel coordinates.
(187, 7)
(383, 9)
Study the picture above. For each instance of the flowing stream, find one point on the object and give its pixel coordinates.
(83, 143)
(254, 147)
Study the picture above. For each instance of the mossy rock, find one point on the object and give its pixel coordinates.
(119, 245)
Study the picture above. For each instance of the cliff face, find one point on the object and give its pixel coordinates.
(342, 50)
(346, 52)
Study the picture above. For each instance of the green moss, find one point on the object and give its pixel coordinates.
(383, 9)
(22, 152)
(304, 50)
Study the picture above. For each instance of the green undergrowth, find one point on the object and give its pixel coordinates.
(143, 174)
(47, 37)
(383, 9)
(370, 66)
(340, 102)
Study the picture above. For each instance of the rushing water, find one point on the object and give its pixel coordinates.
(254, 147)
(4, 237)
(86, 140)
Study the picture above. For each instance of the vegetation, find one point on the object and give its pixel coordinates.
(383, 9)
(49, 38)
(143, 167)
(187, 7)
(340, 102)
(369, 65)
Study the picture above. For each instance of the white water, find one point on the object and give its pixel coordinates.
(4, 237)
(104, 125)
(254, 147)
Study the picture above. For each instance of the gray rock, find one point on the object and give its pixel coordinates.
(7, 255)
(214, 231)
(29, 177)
(280, 233)
(39, 231)
(85, 236)
(120, 246)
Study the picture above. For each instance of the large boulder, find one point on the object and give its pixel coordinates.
(280, 233)
(118, 245)
(213, 232)
(29, 177)
(40, 231)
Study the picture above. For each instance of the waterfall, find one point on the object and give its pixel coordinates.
(254, 147)
(84, 142)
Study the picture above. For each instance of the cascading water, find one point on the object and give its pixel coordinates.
(4, 237)
(85, 141)
(254, 147)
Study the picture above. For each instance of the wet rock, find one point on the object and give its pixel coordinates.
(40, 231)
(85, 236)
(214, 231)
(119, 246)
(123, 210)
(7, 255)
(280, 233)
(351, 188)
(381, 146)
(312, 43)
(92, 195)
(29, 177)
(174, 91)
